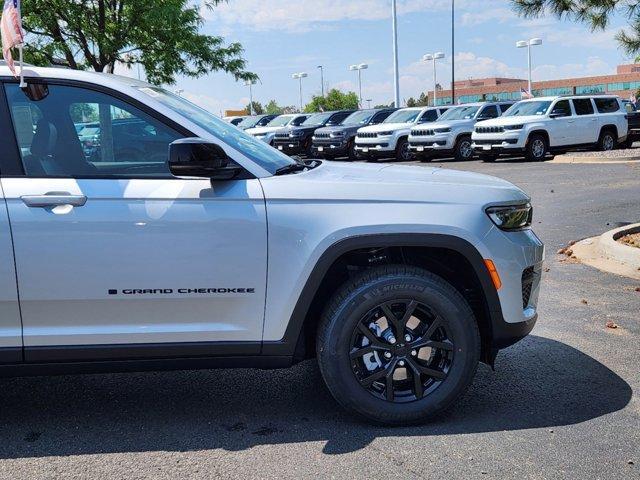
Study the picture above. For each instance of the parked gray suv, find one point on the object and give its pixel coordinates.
(228, 253)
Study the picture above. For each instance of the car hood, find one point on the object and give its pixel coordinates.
(262, 130)
(337, 181)
(453, 123)
(501, 121)
(345, 129)
(386, 127)
(299, 129)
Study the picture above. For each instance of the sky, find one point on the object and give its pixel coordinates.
(281, 37)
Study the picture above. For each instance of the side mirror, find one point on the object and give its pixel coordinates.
(196, 157)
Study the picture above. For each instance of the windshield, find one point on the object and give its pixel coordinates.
(281, 121)
(403, 116)
(358, 118)
(256, 150)
(249, 122)
(523, 109)
(316, 119)
(460, 113)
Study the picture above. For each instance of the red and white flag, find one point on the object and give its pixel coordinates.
(12, 34)
(525, 94)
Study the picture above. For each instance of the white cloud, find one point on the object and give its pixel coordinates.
(302, 15)
(484, 15)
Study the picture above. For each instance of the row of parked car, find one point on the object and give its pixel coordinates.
(533, 128)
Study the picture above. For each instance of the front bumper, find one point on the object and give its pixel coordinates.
(509, 143)
(518, 259)
(334, 147)
(291, 146)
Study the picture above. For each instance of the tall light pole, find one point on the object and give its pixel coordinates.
(321, 79)
(359, 68)
(528, 44)
(432, 57)
(396, 73)
(250, 84)
(453, 52)
(299, 77)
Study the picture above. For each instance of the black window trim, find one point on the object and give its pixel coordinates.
(587, 99)
(11, 165)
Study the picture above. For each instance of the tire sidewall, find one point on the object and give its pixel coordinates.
(601, 143)
(530, 155)
(403, 144)
(458, 149)
(336, 364)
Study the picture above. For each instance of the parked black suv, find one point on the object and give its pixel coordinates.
(297, 140)
(339, 141)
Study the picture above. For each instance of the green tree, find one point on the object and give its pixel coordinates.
(163, 35)
(411, 102)
(333, 100)
(272, 108)
(258, 109)
(596, 13)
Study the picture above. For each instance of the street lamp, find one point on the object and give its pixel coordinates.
(250, 84)
(299, 77)
(396, 72)
(432, 57)
(528, 44)
(321, 79)
(359, 68)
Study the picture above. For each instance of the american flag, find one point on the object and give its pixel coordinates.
(525, 94)
(11, 27)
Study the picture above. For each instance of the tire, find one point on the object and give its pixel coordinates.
(403, 154)
(607, 141)
(353, 155)
(463, 150)
(309, 149)
(488, 158)
(455, 346)
(536, 149)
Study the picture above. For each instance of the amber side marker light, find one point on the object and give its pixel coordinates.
(493, 272)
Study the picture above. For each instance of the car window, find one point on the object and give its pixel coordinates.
(524, 109)
(490, 111)
(296, 122)
(381, 116)
(505, 106)
(256, 150)
(316, 119)
(429, 116)
(562, 108)
(460, 113)
(264, 121)
(403, 116)
(280, 121)
(583, 106)
(338, 118)
(606, 105)
(361, 117)
(121, 141)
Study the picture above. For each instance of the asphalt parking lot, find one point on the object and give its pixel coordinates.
(563, 403)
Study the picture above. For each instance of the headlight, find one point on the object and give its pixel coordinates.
(337, 134)
(441, 130)
(385, 134)
(513, 217)
(296, 133)
(513, 127)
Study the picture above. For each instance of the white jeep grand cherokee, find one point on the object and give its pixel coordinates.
(539, 126)
(390, 138)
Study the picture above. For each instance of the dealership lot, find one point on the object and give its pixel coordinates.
(566, 392)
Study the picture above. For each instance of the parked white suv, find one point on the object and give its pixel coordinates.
(539, 126)
(451, 134)
(268, 132)
(390, 138)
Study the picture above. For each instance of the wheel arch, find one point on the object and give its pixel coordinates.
(539, 131)
(415, 249)
(610, 127)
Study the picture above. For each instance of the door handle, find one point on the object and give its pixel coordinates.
(54, 199)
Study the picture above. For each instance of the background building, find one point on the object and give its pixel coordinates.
(624, 83)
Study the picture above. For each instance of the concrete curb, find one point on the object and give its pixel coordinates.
(588, 159)
(609, 246)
